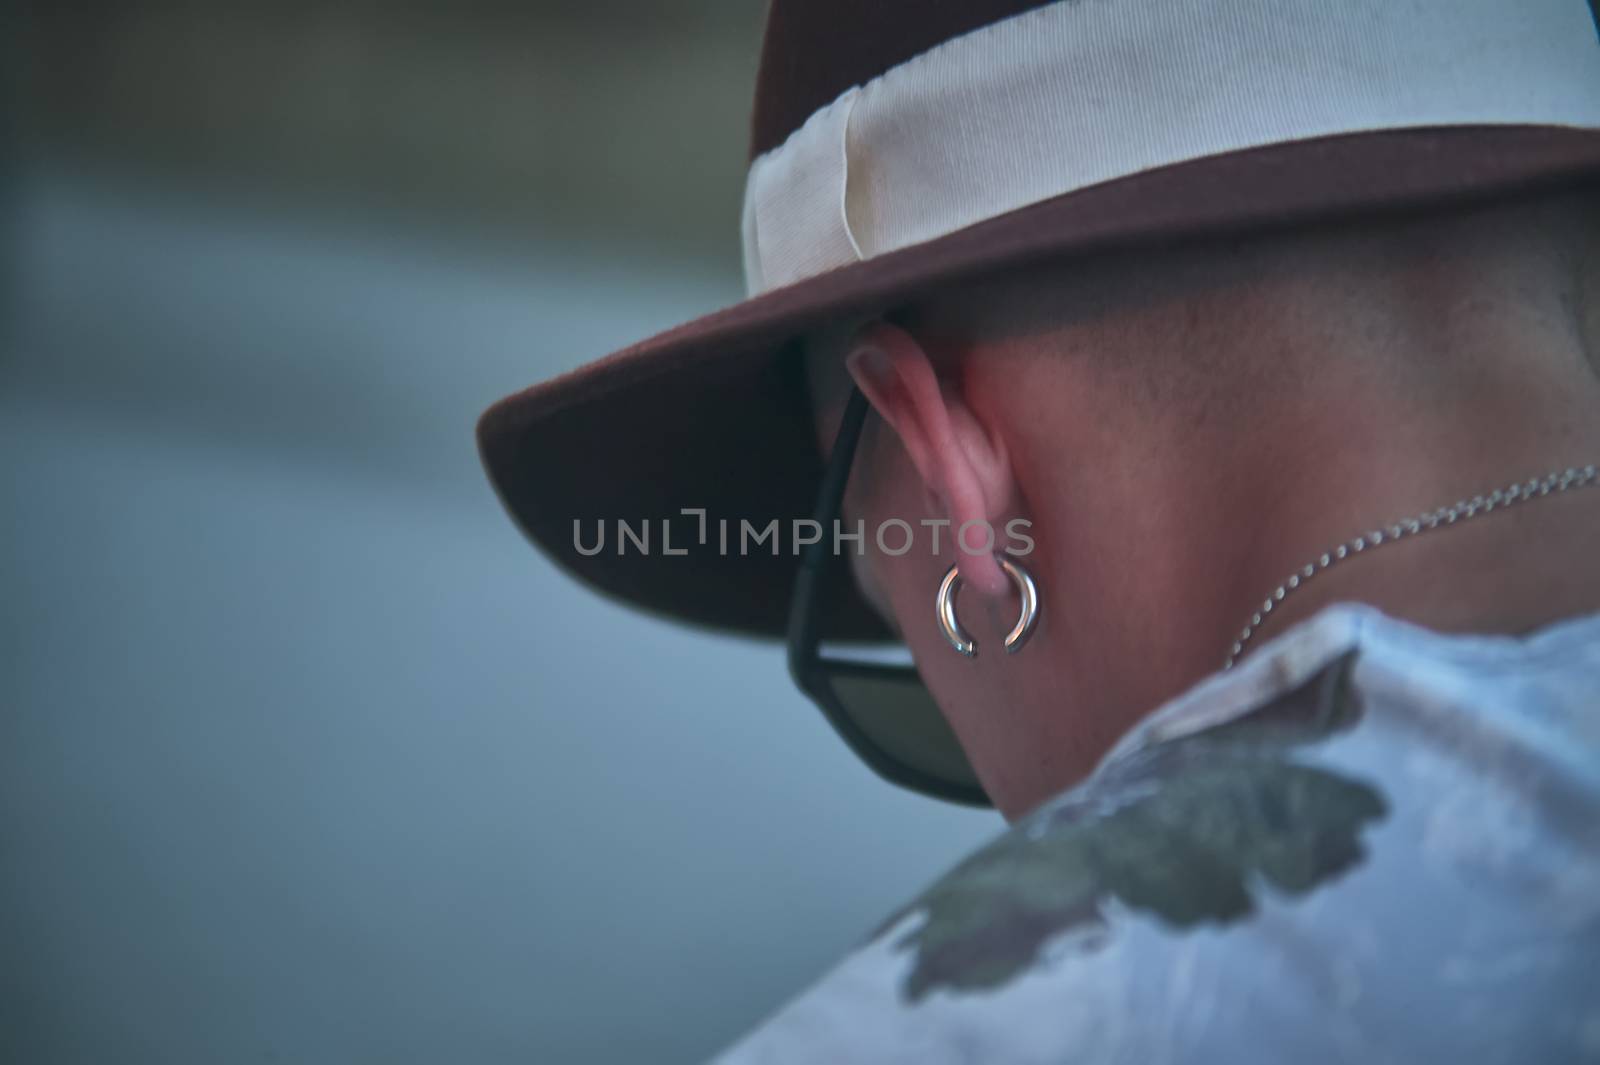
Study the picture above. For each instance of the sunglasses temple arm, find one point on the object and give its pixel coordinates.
(830, 496)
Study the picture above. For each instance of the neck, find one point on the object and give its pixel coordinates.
(1343, 403)
(1509, 570)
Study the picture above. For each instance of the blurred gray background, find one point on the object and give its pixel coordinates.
(305, 756)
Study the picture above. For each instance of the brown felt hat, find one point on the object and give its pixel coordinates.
(899, 146)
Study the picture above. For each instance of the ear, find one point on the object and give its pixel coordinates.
(963, 466)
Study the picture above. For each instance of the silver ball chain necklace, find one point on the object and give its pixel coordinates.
(1553, 484)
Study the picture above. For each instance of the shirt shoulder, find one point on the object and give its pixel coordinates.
(1354, 837)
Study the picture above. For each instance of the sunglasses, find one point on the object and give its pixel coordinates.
(883, 712)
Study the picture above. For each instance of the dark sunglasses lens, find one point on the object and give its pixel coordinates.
(894, 710)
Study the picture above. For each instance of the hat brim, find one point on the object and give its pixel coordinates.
(711, 415)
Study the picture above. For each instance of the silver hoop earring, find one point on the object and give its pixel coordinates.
(945, 609)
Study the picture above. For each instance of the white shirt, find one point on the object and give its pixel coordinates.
(1366, 843)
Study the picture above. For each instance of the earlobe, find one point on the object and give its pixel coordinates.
(960, 463)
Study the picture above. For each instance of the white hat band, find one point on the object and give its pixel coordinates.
(1083, 91)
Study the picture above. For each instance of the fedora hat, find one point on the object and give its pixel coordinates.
(901, 146)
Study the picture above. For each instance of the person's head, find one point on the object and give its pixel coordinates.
(1160, 417)
(1181, 422)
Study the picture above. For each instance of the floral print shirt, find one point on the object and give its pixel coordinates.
(1366, 843)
